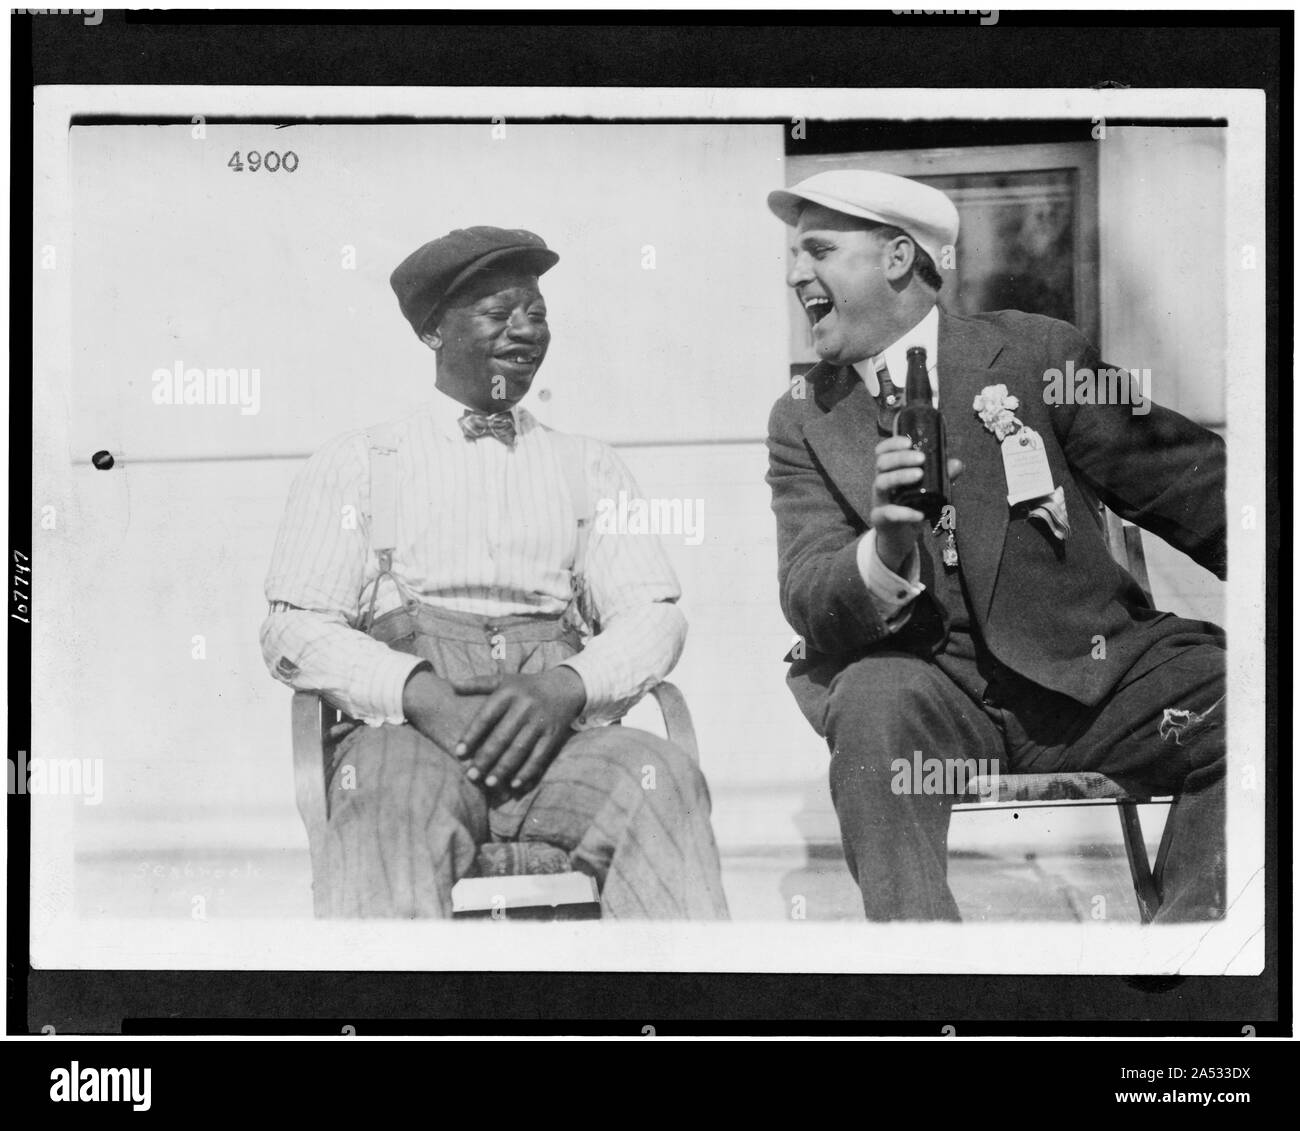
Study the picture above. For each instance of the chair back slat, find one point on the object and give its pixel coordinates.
(1137, 559)
(1123, 540)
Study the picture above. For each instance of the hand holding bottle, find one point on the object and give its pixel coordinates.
(898, 467)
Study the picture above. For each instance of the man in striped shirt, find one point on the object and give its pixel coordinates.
(442, 603)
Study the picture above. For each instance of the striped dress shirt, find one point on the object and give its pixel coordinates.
(482, 528)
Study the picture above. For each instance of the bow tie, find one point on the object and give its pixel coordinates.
(476, 425)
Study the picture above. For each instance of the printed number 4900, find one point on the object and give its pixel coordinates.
(270, 161)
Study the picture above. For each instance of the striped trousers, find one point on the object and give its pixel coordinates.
(630, 809)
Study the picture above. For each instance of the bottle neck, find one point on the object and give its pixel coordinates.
(918, 378)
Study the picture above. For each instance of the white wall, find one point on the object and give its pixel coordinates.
(1163, 305)
(178, 257)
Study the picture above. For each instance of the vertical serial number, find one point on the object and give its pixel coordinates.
(21, 594)
(270, 161)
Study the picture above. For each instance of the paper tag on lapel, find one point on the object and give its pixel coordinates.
(1025, 460)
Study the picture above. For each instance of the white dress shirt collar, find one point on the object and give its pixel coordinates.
(894, 357)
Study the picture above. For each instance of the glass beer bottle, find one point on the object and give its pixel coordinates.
(920, 420)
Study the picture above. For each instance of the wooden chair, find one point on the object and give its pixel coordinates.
(1012, 791)
(527, 879)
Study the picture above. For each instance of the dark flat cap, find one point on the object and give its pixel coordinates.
(430, 275)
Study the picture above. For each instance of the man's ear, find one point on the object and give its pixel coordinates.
(431, 338)
(900, 253)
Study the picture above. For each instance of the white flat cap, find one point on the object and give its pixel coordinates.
(924, 213)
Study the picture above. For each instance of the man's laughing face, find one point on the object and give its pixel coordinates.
(491, 339)
(838, 273)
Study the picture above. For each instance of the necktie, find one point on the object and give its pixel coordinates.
(501, 425)
(889, 400)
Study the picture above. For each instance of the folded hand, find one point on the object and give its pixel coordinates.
(520, 725)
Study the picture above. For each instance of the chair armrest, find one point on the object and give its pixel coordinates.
(308, 764)
(677, 719)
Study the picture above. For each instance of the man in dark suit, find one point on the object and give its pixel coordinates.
(1005, 632)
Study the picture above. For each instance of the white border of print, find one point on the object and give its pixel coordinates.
(1233, 946)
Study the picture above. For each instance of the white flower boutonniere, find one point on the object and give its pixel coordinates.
(1024, 459)
(996, 408)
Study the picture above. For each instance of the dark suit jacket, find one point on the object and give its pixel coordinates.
(1037, 602)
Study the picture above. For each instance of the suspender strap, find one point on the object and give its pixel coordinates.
(383, 493)
(575, 472)
(576, 475)
(381, 441)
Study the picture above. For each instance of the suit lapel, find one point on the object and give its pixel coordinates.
(845, 438)
(967, 350)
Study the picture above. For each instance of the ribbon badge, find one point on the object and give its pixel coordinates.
(1024, 459)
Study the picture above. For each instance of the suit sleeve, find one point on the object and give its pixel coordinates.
(823, 593)
(1148, 464)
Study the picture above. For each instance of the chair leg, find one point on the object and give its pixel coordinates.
(1144, 884)
(1163, 854)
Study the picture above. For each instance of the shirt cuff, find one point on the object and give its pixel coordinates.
(389, 682)
(890, 593)
(591, 715)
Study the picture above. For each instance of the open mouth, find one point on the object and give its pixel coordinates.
(816, 307)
